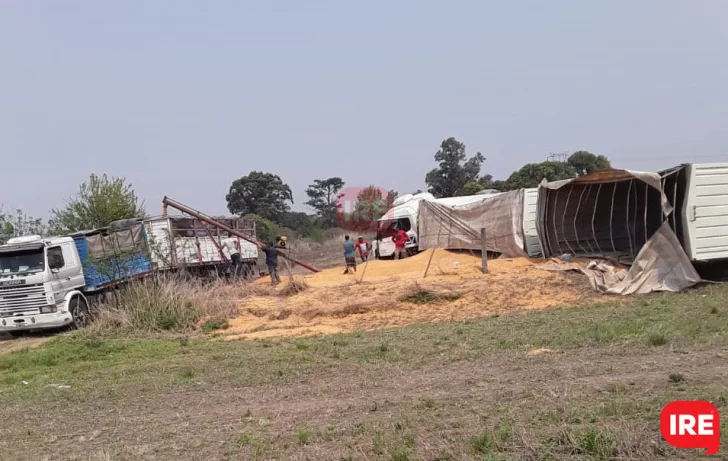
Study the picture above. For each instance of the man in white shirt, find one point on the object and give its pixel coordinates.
(233, 247)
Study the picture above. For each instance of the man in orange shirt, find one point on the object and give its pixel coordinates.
(400, 241)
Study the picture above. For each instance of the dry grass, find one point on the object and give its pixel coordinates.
(173, 304)
(293, 286)
(471, 391)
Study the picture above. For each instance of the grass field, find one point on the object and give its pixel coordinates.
(574, 383)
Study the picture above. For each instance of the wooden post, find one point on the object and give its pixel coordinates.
(483, 250)
(428, 263)
(364, 271)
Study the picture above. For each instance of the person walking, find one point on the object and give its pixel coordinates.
(349, 257)
(400, 244)
(271, 260)
(363, 248)
(233, 247)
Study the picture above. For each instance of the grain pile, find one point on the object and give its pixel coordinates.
(334, 302)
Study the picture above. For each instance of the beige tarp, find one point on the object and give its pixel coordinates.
(661, 265)
(457, 225)
(116, 241)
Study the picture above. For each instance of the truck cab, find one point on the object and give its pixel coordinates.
(40, 284)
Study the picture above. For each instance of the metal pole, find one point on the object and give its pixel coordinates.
(594, 216)
(203, 217)
(214, 242)
(629, 234)
(611, 218)
(483, 251)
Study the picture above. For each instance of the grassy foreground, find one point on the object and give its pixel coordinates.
(571, 383)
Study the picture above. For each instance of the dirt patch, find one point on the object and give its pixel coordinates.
(9, 344)
(336, 302)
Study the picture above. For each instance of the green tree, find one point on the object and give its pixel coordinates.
(99, 201)
(259, 193)
(322, 196)
(531, 174)
(455, 170)
(19, 224)
(472, 188)
(302, 223)
(585, 162)
(392, 196)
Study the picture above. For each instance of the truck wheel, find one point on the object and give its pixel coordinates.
(79, 312)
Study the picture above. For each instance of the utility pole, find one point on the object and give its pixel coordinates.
(561, 158)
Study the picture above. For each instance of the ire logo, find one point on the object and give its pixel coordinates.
(691, 424)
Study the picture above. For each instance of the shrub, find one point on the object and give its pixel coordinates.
(167, 304)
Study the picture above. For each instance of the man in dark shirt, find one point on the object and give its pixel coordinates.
(271, 260)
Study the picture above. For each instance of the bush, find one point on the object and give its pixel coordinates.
(166, 304)
(317, 234)
(265, 230)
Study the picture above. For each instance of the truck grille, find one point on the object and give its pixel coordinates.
(21, 300)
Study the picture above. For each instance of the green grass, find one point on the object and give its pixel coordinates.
(504, 407)
(215, 324)
(426, 297)
(303, 436)
(89, 360)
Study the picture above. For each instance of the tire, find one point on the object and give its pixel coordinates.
(79, 312)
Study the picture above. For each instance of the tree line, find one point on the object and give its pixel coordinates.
(267, 199)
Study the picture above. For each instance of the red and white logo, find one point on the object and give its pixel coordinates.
(359, 208)
(691, 424)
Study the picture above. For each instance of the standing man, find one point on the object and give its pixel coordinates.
(400, 244)
(377, 242)
(233, 247)
(349, 257)
(363, 248)
(271, 260)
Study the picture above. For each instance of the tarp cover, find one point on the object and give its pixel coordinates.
(457, 226)
(661, 265)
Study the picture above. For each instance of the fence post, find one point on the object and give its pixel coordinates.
(483, 251)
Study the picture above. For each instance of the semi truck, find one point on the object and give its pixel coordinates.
(56, 282)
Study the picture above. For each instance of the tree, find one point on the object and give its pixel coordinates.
(99, 201)
(259, 193)
(455, 169)
(472, 188)
(585, 162)
(300, 222)
(392, 196)
(19, 224)
(531, 174)
(322, 196)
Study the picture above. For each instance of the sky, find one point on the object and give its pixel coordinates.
(183, 97)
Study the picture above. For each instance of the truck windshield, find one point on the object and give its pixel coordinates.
(20, 262)
(389, 227)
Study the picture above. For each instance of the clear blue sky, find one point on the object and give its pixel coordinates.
(183, 97)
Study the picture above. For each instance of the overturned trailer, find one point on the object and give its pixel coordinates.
(699, 194)
(618, 215)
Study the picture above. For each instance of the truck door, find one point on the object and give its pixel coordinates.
(67, 275)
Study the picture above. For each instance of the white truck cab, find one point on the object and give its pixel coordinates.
(403, 215)
(40, 284)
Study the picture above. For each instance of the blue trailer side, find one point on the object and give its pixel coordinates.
(102, 271)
